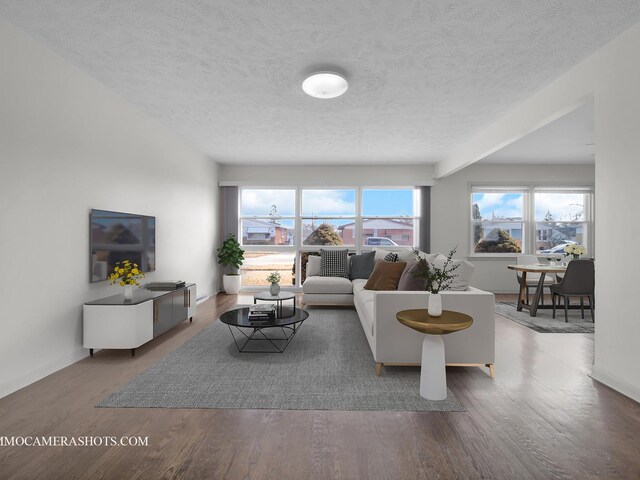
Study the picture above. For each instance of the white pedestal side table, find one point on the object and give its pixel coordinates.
(433, 380)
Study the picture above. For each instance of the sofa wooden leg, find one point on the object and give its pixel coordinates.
(379, 369)
(492, 372)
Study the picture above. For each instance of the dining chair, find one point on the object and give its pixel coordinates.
(578, 281)
(532, 278)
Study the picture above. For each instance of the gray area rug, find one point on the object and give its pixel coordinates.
(543, 321)
(327, 366)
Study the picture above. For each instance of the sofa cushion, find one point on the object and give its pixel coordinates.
(334, 263)
(358, 285)
(361, 266)
(313, 265)
(367, 310)
(319, 284)
(385, 276)
(404, 255)
(409, 281)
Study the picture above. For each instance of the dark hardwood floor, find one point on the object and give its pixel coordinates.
(542, 417)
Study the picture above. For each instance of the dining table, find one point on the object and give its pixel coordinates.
(543, 270)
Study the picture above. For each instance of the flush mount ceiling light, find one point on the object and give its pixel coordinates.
(325, 85)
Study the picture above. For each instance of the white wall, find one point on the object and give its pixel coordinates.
(68, 144)
(451, 211)
(332, 175)
(611, 77)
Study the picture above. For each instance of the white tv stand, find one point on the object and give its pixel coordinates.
(114, 322)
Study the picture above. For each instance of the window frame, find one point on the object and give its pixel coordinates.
(415, 218)
(529, 223)
(315, 248)
(298, 247)
(523, 222)
(242, 217)
(587, 221)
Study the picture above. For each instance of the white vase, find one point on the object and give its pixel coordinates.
(435, 305)
(274, 289)
(231, 284)
(128, 292)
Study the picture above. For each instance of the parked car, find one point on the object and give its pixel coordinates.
(380, 241)
(558, 248)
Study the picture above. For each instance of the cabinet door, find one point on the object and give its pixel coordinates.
(179, 306)
(163, 314)
(117, 326)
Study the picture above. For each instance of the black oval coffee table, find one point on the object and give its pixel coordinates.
(274, 335)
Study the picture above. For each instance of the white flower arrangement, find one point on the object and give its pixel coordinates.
(575, 250)
(273, 277)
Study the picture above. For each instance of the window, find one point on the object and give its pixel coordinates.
(259, 263)
(561, 219)
(328, 217)
(497, 218)
(267, 221)
(536, 220)
(278, 226)
(267, 217)
(389, 217)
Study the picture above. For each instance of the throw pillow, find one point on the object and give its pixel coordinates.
(409, 282)
(463, 272)
(361, 266)
(404, 255)
(334, 263)
(390, 257)
(313, 266)
(385, 276)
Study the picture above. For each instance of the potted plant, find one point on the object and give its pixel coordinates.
(274, 278)
(126, 274)
(437, 279)
(231, 256)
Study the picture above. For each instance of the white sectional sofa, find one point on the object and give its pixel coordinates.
(395, 344)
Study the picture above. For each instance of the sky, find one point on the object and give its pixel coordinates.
(563, 206)
(328, 203)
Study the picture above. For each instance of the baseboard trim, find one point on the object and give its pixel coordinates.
(26, 379)
(202, 299)
(622, 386)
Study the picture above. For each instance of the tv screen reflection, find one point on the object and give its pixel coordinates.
(116, 237)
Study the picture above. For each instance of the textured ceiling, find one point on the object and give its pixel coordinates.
(567, 140)
(424, 75)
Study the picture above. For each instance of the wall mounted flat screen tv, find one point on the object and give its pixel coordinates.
(117, 236)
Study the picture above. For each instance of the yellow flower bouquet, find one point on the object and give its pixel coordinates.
(125, 273)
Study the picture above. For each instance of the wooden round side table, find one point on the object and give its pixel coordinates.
(433, 379)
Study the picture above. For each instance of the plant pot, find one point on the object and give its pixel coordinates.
(128, 292)
(231, 284)
(435, 305)
(274, 289)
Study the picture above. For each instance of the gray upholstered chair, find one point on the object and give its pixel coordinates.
(578, 281)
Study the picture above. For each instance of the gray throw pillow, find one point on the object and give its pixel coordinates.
(362, 265)
(334, 263)
(408, 281)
